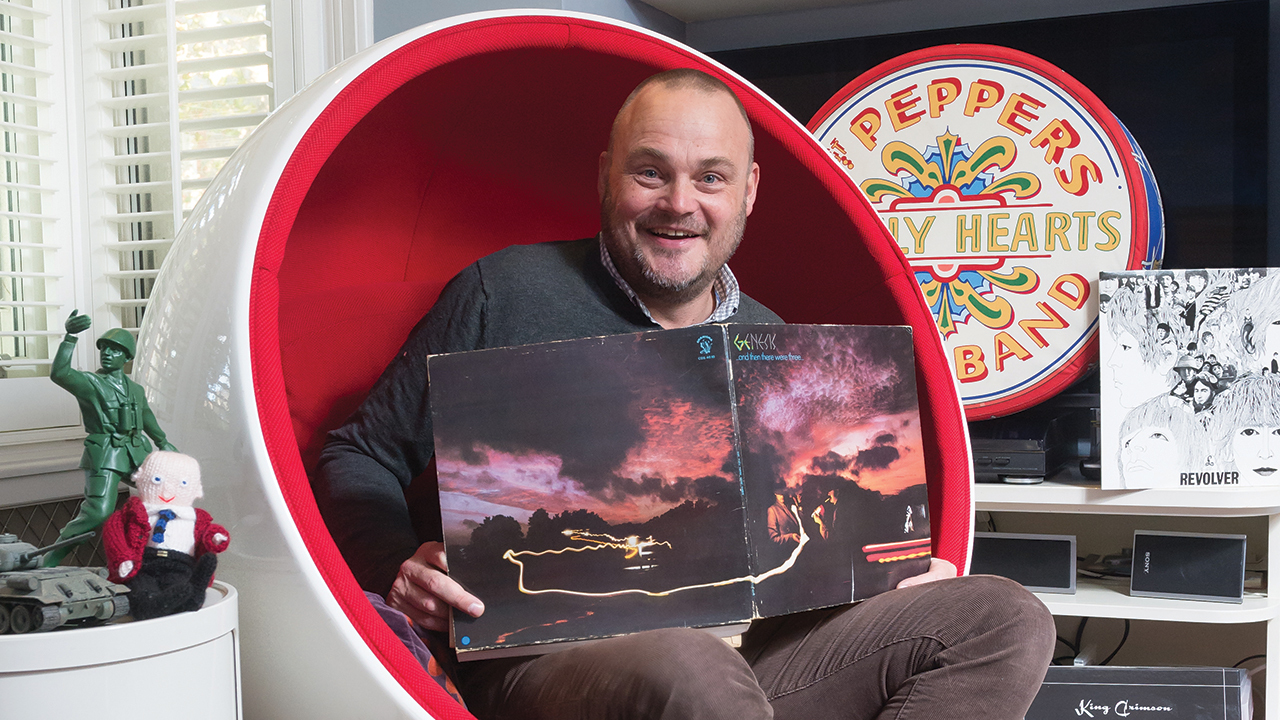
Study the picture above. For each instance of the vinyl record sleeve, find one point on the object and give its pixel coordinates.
(695, 477)
(1190, 378)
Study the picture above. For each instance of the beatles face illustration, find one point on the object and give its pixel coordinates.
(1148, 457)
(1201, 393)
(1257, 452)
(1135, 380)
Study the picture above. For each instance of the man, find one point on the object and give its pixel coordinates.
(676, 183)
(115, 414)
(825, 515)
(784, 527)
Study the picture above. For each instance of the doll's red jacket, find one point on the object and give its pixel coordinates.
(125, 533)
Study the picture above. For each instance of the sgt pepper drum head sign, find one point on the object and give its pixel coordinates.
(1008, 187)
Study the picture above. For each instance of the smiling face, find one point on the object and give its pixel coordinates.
(1257, 453)
(676, 188)
(168, 478)
(1148, 457)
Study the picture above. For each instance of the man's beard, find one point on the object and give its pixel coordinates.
(644, 279)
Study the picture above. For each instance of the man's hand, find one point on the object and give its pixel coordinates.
(425, 593)
(939, 569)
(77, 323)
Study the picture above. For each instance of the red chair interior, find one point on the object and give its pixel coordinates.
(488, 134)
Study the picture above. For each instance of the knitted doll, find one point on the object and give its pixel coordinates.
(158, 544)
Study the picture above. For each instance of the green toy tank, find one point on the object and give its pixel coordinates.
(36, 599)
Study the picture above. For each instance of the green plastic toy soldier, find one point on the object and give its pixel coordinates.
(116, 416)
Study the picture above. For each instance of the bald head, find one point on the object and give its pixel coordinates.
(676, 186)
(683, 79)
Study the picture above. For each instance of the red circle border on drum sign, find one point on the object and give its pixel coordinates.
(1084, 358)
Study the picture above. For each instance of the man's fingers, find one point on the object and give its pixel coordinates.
(939, 569)
(434, 607)
(419, 617)
(431, 622)
(429, 575)
(432, 553)
(425, 593)
(438, 585)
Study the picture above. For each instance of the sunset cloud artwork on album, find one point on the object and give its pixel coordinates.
(617, 429)
(849, 411)
(629, 429)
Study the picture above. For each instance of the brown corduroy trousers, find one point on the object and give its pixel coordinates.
(971, 647)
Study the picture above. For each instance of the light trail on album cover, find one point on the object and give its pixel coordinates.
(622, 543)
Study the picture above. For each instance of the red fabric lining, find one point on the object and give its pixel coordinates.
(373, 200)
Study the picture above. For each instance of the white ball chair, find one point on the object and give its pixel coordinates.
(331, 231)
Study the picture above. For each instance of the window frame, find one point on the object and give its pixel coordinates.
(41, 432)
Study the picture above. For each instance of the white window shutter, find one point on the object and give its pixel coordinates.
(188, 79)
(115, 115)
(32, 258)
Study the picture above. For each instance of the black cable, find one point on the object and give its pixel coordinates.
(1080, 634)
(1122, 640)
(1251, 657)
(1073, 647)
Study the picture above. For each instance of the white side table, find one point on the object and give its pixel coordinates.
(187, 664)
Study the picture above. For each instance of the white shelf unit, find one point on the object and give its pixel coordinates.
(1111, 599)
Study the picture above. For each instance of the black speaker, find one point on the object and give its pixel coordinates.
(1041, 563)
(1188, 566)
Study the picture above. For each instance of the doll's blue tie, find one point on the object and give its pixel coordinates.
(164, 517)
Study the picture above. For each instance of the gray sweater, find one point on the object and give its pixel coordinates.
(523, 294)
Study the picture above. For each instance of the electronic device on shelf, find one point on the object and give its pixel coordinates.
(1188, 566)
(1040, 563)
(1030, 445)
